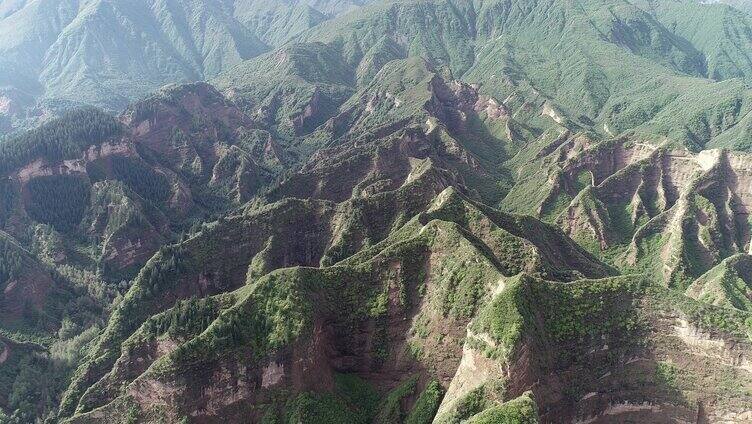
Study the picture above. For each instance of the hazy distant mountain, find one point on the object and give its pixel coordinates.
(108, 53)
(743, 5)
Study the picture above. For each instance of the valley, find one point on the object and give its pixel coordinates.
(409, 211)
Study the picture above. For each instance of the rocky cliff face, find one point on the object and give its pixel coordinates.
(375, 268)
(407, 214)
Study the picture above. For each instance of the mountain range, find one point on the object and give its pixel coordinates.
(58, 54)
(404, 211)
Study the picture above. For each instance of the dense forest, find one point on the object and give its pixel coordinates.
(375, 212)
(62, 138)
(11, 261)
(141, 178)
(58, 200)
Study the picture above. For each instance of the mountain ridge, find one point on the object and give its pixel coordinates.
(402, 214)
(108, 54)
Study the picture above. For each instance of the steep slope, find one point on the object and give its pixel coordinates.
(628, 62)
(125, 185)
(187, 152)
(613, 350)
(610, 66)
(61, 53)
(434, 246)
(379, 181)
(651, 209)
(727, 284)
(25, 283)
(288, 336)
(37, 353)
(279, 21)
(88, 198)
(342, 231)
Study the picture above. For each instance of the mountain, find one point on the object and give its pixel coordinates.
(406, 211)
(61, 53)
(738, 4)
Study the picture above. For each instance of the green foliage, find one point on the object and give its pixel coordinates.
(708, 317)
(271, 316)
(589, 309)
(352, 401)
(35, 379)
(313, 408)
(187, 317)
(141, 178)
(727, 284)
(551, 209)
(465, 407)
(8, 198)
(648, 258)
(427, 404)
(603, 67)
(58, 200)
(666, 374)
(580, 312)
(522, 410)
(63, 138)
(359, 395)
(11, 261)
(307, 73)
(620, 217)
(503, 318)
(390, 409)
(26, 389)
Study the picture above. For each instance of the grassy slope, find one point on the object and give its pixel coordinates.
(597, 77)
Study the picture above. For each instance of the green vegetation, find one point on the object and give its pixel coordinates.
(355, 401)
(522, 410)
(189, 317)
(503, 318)
(579, 312)
(588, 309)
(228, 34)
(320, 408)
(666, 374)
(326, 210)
(471, 404)
(63, 138)
(730, 321)
(58, 200)
(269, 317)
(427, 404)
(8, 197)
(11, 261)
(359, 395)
(35, 378)
(141, 178)
(467, 406)
(390, 409)
(728, 284)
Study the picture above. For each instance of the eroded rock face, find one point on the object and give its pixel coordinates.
(644, 200)
(621, 374)
(728, 352)
(377, 188)
(25, 289)
(191, 130)
(17, 105)
(335, 342)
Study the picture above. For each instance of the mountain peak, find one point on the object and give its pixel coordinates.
(344, 211)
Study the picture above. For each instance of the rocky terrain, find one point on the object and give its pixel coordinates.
(397, 212)
(66, 53)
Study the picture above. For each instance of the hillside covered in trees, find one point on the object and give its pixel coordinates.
(403, 211)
